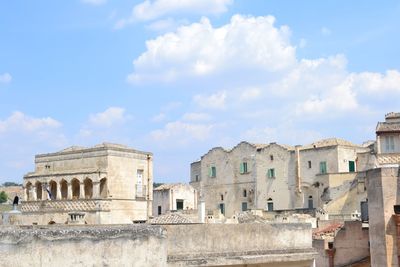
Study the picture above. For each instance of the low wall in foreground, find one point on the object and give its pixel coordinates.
(147, 245)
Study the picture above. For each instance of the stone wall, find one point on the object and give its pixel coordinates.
(268, 245)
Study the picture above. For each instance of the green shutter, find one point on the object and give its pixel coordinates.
(322, 167)
(242, 168)
(352, 166)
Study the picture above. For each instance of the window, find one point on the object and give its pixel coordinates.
(243, 168)
(159, 210)
(322, 167)
(213, 172)
(179, 204)
(222, 197)
(244, 193)
(270, 204)
(244, 206)
(352, 166)
(222, 208)
(197, 177)
(309, 164)
(310, 202)
(271, 173)
(271, 157)
(389, 142)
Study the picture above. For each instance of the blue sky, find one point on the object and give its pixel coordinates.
(179, 77)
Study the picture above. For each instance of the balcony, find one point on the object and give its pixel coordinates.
(66, 205)
(141, 191)
(388, 158)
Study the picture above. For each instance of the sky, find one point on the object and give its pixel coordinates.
(178, 77)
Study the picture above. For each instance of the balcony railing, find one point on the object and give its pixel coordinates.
(389, 158)
(141, 191)
(65, 205)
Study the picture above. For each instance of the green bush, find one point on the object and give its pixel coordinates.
(3, 197)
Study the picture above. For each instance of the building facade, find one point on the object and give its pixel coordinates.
(173, 197)
(104, 184)
(272, 176)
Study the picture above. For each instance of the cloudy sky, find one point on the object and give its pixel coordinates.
(178, 77)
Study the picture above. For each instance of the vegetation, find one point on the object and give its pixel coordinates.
(6, 184)
(155, 185)
(3, 197)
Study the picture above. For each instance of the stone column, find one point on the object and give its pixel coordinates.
(33, 192)
(378, 144)
(69, 193)
(82, 190)
(96, 189)
(45, 195)
(25, 194)
(58, 191)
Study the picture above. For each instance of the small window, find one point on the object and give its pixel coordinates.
(310, 202)
(271, 173)
(322, 167)
(271, 157)
(270, 204)
(309, 164)
(243, 168)
(389, 142)
(352, 166)
(222, 197)
(159, 210)
(179, 204)
(213, 172)
(222, 208)
(244, 206)
(197, 177)
(244, 193)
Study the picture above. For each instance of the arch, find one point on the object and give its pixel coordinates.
(28, 191)
(51, 222)
(39, 190)
(76, 188)
(270, 204)
(64, 189)
(88, 184)
(53, 189)
(103, 188)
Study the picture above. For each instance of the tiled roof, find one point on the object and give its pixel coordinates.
(171, 218)
(248, 217)
(329, 231)
(171, 186)
(388, 127)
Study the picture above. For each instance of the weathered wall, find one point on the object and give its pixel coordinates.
(269, 245)
(167, 194)
(83, 246)
(383, 194)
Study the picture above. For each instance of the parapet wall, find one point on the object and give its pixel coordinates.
(148, 245)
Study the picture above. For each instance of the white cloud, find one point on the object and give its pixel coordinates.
(94, 2)
(200, 49)
(214, 101)
(5, 78)
(183, 132)
(325, 31)
(250, 94)
(109, 117)
(20, 122)
(152, 10)
(371, 82)
(196, 116)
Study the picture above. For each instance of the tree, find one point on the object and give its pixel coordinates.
(10, 184)
(155, 185)
(3, 197)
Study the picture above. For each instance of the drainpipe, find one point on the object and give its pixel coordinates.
(397, 222)
(149, 189)
(298, 169)
(331, 254)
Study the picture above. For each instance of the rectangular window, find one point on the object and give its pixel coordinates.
(309, 164)
(352, 166)
(197, 177)
(243, 168)
(213, 172)
(139, 183)
(270, 206)
(222, 208)
(271, 157)
(244, 193)
(389, 143)
(322, 167)
(159, 210)
(244, 206)
(179, 204)
(271, 173)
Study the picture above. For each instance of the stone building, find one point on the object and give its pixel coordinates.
(173, 197)
(274, 176)
(104, 184)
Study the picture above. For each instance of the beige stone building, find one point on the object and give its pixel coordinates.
(276, 177)
(174, 197)
(105, 184)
